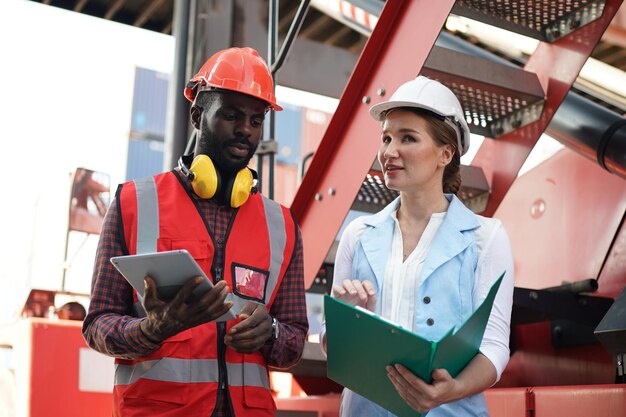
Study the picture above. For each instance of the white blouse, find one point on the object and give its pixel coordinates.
(402, 276)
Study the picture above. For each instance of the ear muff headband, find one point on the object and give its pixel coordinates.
(206, 181)
(205, 177)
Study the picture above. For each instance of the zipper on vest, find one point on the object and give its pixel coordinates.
(221, 368)
(217, 274)
(221, 355)
(222, 391)
(221, 347)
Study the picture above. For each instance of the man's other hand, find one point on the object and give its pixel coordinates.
(254, 329)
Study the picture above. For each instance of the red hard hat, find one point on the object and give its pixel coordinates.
(235, 69)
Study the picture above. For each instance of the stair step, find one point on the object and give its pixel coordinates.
(497, 99)
(547, 20)
(373, 196)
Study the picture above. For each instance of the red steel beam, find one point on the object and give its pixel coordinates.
(557, 65)
(394, 53)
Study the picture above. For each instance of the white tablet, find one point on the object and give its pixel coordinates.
(170, 271)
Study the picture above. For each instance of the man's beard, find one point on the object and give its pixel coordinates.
(215, 149)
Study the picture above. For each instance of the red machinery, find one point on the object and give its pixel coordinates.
(565, 218)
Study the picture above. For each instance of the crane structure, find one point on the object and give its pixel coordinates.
(565, 217)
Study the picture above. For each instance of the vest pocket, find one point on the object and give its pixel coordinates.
(255, 378)
(250, 283)
(145, 392)
(200, 250)
(179, 337)
(258, 397)
(165, 374)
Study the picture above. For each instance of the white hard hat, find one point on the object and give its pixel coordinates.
(431, 95)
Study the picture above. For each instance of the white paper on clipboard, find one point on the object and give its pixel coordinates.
(170, 270)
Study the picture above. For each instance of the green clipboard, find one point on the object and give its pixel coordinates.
(360, 345)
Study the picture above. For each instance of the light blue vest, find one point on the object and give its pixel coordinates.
(444, 297)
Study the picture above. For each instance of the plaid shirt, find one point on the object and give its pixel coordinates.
(111, 329)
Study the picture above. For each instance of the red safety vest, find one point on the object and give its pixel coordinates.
(182, 377)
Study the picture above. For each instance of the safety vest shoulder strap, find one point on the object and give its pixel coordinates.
(147, 215)
(140, 204)
(283, 235)
(262, 239)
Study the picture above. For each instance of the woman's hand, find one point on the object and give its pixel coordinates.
(356, 293)
(477, 376)
(419, 395)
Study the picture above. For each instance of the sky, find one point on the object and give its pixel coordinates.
(66, 86)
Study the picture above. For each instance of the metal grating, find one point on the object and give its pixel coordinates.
(373, 195)
(490, 113)
(496, 99)
(604, 52)
(546, 20)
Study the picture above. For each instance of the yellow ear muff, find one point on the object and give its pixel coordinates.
(205, 177)
(242, 185)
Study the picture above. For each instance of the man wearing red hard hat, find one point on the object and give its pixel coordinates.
(172, 357)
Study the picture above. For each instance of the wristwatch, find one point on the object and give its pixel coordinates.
(274, 328)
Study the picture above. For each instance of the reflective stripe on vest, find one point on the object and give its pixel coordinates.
(192, 371)
(147, 225)
(278, 240)
(147, 215)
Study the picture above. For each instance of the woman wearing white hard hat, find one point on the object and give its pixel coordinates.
(435, 260)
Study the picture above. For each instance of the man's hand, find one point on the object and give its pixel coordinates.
(356, 293)
(165, 319)
(254, 329)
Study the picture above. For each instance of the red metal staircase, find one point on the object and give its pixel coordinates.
(511, 106)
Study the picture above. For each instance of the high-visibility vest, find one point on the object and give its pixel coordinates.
(182, 377)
